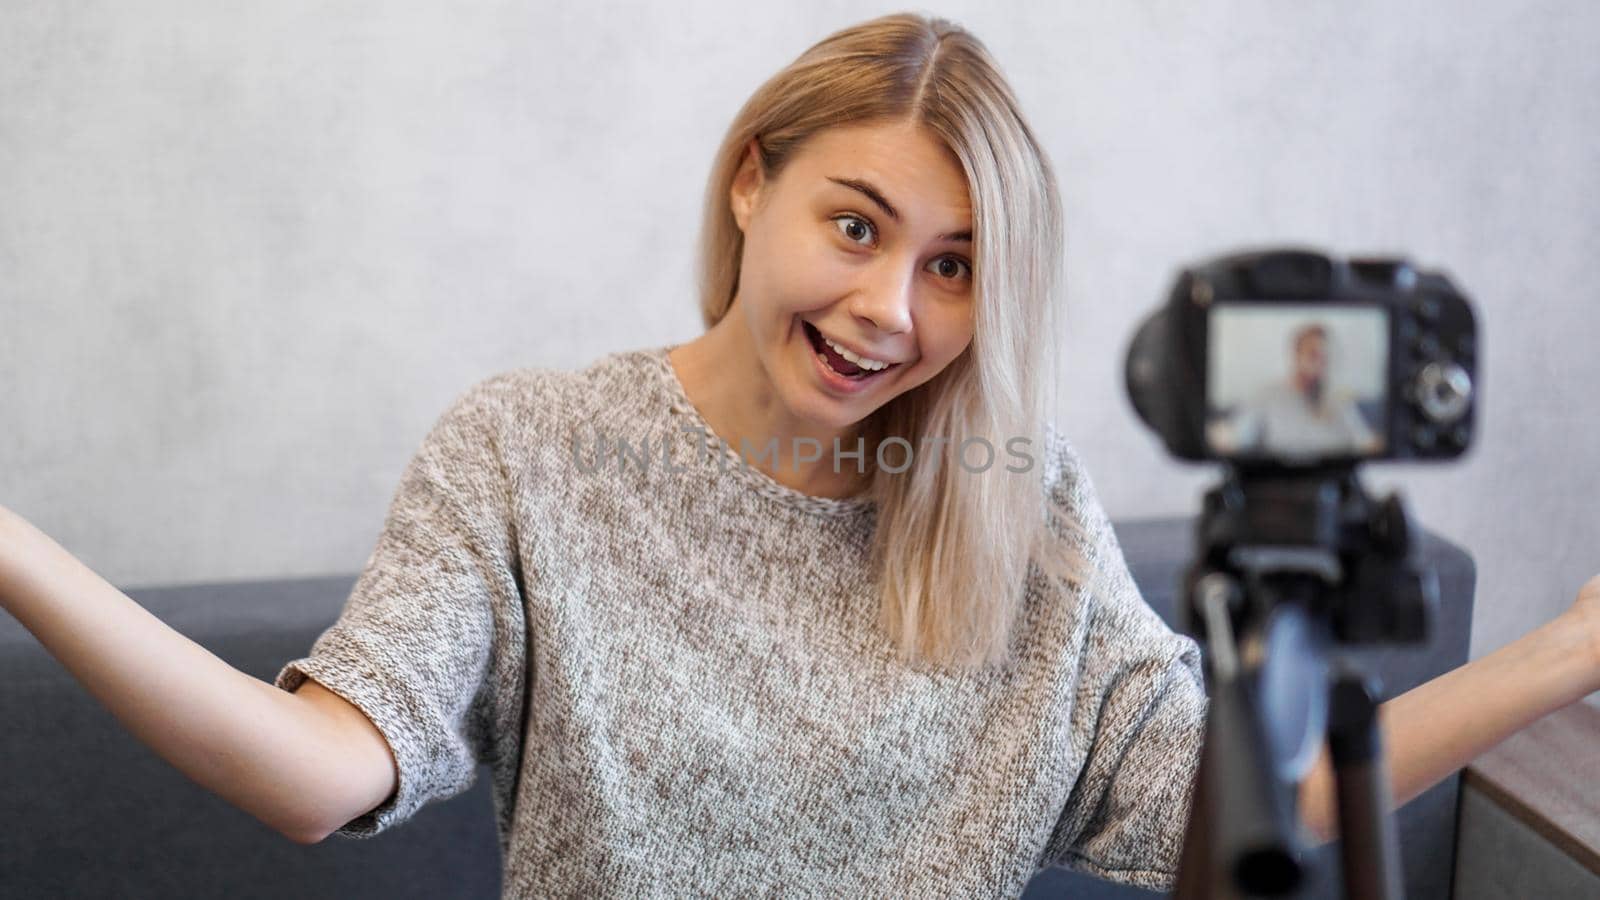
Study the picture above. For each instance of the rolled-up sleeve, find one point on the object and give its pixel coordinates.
(1127, 815)
(430, 643)
(1140, 711)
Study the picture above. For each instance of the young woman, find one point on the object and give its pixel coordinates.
(752, 613)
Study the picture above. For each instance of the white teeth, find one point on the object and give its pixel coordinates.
(871, 365)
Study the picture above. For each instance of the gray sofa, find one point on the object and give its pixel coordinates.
(88, 811)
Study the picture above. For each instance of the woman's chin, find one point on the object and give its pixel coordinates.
(829, 413)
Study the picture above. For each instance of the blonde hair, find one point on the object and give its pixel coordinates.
(952, 547)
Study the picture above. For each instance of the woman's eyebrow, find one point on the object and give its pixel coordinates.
(877, 197)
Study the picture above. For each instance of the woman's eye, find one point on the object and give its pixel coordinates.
(851, 226)
(958, 263)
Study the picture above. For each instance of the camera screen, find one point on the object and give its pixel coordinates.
(1296, 381)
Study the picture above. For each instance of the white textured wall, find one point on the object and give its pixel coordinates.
(248, 251)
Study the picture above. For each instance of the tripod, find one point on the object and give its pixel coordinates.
(1291, 564)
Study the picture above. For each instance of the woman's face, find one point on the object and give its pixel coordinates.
(863, 239)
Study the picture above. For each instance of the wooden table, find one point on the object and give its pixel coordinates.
(1545, 777)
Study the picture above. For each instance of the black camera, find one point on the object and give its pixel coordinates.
(1291, 367)
(1289, 358)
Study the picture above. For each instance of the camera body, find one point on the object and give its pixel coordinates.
(1288, 358)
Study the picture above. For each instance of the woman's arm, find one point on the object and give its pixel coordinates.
(287, 759)
(1439, 727)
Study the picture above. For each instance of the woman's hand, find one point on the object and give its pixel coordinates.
(1586, 611)
(10, 529)
(20, 554)
(11, 524)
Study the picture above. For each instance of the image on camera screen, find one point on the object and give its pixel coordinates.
(1296, 382)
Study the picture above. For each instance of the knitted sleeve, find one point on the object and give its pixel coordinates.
(1141, 705)
(430, 642)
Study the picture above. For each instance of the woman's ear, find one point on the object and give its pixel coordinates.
(747, 184)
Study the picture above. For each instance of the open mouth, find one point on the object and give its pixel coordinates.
(841, 366)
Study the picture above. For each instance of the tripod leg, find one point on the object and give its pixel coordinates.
(1368, 848)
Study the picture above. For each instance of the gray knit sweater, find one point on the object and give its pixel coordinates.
(672, 668)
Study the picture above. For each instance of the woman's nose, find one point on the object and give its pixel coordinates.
(886, 300)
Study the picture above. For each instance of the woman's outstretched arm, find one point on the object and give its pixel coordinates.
(293, 761)
(1438, 727)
